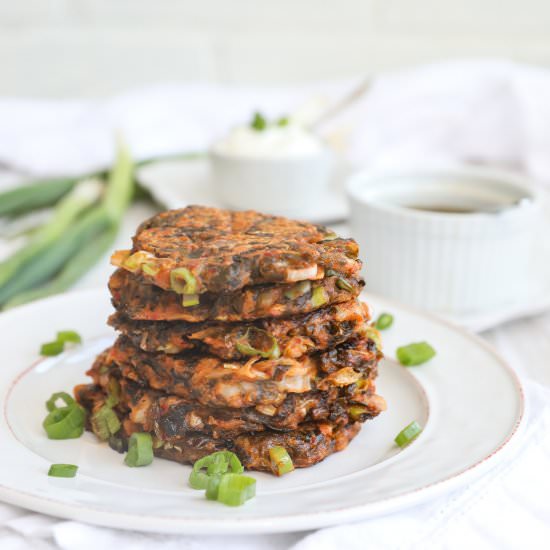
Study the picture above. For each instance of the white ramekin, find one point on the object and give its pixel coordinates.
(446, 262)
(275, 185)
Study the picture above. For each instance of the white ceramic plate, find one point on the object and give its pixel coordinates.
(176, 184)
(468, 399)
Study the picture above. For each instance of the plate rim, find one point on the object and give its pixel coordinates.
(293, 522)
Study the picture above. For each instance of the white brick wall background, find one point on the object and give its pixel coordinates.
(60, 48)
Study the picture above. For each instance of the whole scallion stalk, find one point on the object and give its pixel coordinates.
(84, 195)
(95, 232)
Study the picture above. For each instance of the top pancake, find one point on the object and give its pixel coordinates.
(223, 251)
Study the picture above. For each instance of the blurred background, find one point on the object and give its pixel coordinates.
(75, 48)
(196, 92)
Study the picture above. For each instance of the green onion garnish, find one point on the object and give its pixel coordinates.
(236, 489)
(150, 269)
(51, 403)
(183, 281)
(69, 336)
(50, 349)
(319, 297)
(415, 354)
(62, 470)
(258, 342)
(105, 422)
(384, 321)
(408, 434)
(280, 460)
(216, 463)
(212, 486)
(258, 123)
(64, 422)
(58, 345)
(372, 333)
(140, 450)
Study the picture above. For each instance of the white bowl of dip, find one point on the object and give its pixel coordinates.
(455, 240)
(279, 170)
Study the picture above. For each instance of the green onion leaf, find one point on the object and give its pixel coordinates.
(105, 422)
(280, 460)
(150, 269)
(62, 470)
(258, 342)
(140, 450)
(64, 396)
(183, 281)
(384, 321)
(258, 123)
(50, 349)
(65, 422)
(415, 354)
(198, 480)
(319, 297)
(65, 336)
(236, 489)
(408, 434)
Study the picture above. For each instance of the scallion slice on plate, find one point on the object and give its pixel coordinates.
(69, 336)
(408, 434)
(415, 354)
(49, 349)
(140, 450)
(384, 321)
(62, 470)
(236, 489)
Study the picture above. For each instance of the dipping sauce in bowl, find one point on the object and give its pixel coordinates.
(455, 240)
(278, 168)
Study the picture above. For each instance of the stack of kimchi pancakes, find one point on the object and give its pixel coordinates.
(238, 331)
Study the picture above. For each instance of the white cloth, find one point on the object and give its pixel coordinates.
(492, 112)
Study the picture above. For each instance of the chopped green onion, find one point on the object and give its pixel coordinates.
(283, 121)
(344, 285)
(253, 343)
(62, 470)
(65, 422)
(319, 297)
(384, 321)
(297, 290)
(357, 411)
(50, 349)
(140, 450)
(408, 434)
(64, 396)
(65, 336)
(280, 460)
(258, 123)
(183, 281)
(415, 354)
(212, 487)
(105, 422)
(190, 300)
(236, 489)
(330, 237)
(216, 463)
